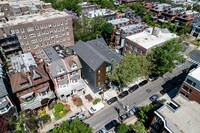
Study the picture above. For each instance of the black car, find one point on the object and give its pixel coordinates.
(123, 117)
(112, 100)
(152, 78)
(123, 94)
(154, 97)
(162, 92)
(143, 82)
(111, 125)
(133, 88)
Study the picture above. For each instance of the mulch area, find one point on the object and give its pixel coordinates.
(89, 97)
(77, 100)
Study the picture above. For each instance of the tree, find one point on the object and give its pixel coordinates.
(129, 68)
(163, 57)
(122, 128)
(86, 29)
(139, 9)
(74, 126)
(66, 4)
(103, 3)
(143, 114)
(139, 127)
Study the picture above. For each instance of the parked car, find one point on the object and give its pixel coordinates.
(81, 116)
(152, 78)
(102, 130)
(123, 94)
(96, 108)
(154, 97)
(133, 88)
(133, 111)
(111, 125)
(143, 82)
(112, 100)
(123, 117)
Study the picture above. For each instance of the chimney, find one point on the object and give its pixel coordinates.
(153, 30)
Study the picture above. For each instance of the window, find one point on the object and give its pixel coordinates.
(36, 27)
(22, 30)
(17, 31)
(189, 81)
(19, 37)
(40, 39)
(99, 77)
(194, 84)
(24, 37)
(41, 44)
(38, 34)
(99, 71)
(99, 83)
(27, 43)
(28, 48)
(185, 88)
(13, 31)
(34, 41)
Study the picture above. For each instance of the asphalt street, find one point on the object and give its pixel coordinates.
(137, 98)
(194, 56)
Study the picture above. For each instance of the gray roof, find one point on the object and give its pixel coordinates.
(3, 91)
(95, 52)
(51, 53)
(56, 66)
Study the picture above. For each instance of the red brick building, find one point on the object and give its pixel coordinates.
(191, 86)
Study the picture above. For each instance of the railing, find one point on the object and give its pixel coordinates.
(36, 101)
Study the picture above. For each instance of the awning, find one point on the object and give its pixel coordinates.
(3, 104)
(42, 89)
(27, 95)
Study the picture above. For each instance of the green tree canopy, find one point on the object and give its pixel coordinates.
(129, 68)
(163, 57)
(123, 128)
(71, 5)
(86, 29)
(76, 126)
(139, 127)
(139, 9)
(103, 3)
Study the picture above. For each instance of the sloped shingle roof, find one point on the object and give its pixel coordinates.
(95, 52)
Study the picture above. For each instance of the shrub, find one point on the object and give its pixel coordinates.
(58, 107)
(46, 118)
(59, 111)
(97, 100)
(196, 42)
(42, 112)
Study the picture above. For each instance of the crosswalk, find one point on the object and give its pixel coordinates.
(192, 61)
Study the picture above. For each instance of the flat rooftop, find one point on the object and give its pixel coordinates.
(14, 20)
(184, 119)
(147, 40)
(195, 73)
(118, 21)
(99, 12)
(22, 62)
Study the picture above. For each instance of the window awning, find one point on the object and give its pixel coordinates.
(27, 95)
(42, 89)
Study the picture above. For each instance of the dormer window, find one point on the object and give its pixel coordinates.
(73, 66)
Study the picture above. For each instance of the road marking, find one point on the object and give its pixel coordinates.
(193, 61)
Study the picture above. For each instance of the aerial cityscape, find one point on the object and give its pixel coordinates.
(99, 66)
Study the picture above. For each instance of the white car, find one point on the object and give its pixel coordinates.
(96, 108)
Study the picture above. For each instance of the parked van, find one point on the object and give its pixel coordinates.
(96, 108)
